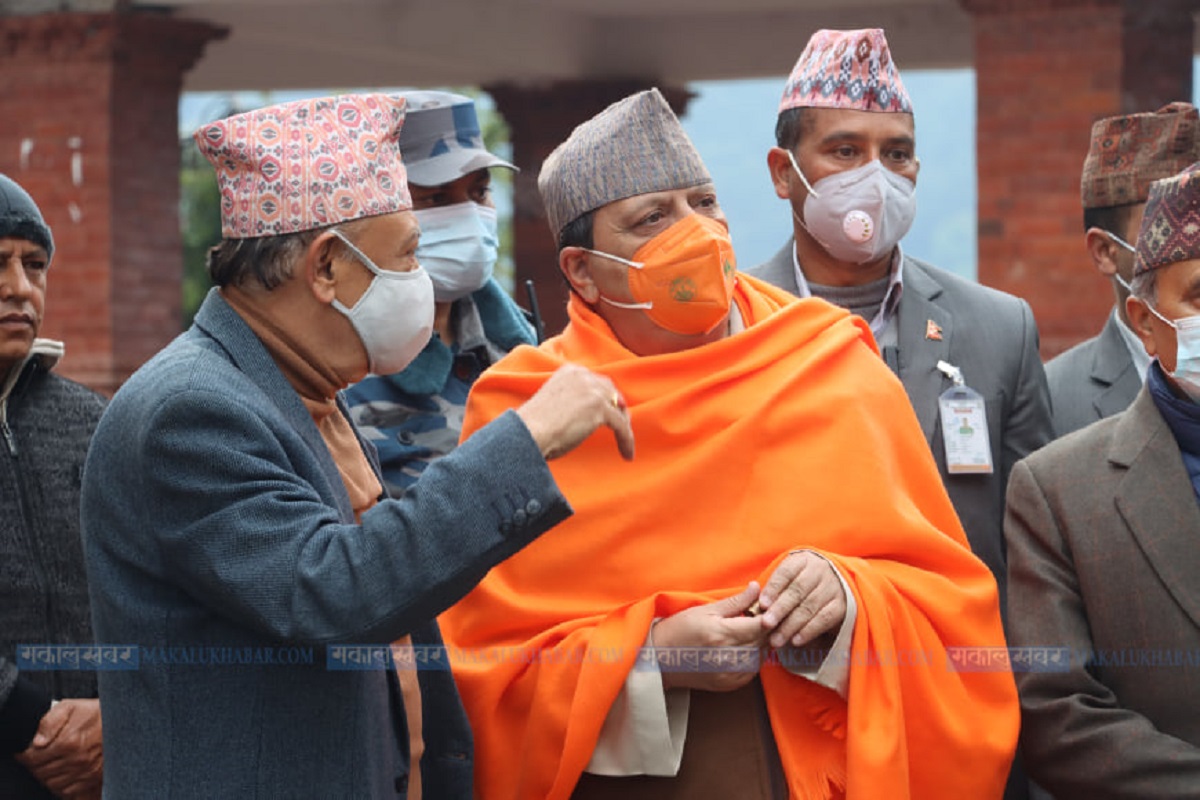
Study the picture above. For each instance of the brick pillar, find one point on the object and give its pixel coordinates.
(89, 126)
(539, 119)
(1045, 71)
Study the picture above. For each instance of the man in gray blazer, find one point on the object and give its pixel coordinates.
(846, 166)
(1103, 558)
(1101, 376)
(235, 526)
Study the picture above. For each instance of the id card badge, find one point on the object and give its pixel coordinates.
(964, 426)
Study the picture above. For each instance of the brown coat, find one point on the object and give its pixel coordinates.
(1103, 532)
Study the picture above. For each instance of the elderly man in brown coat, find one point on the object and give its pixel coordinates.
(1103, 532)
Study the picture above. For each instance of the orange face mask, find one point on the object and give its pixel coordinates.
(683, 278)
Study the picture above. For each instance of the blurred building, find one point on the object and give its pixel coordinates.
(89, 96)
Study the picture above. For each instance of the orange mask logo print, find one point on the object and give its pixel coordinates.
(683, 278)
(683, 289)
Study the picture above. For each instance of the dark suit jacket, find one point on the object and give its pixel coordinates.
(1103, 533)
(992, 338)
(1093, 380)
(215, 522)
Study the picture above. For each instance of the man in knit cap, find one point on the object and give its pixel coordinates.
(967, 355)
(622, 657)
(50, 732)
(235, 524)
(1100, 377)
(1103, 562)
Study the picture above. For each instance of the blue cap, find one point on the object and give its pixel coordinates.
(441, 140)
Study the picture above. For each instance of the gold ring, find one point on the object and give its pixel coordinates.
(616, 401)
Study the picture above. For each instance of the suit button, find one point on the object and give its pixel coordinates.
(520, 518)
(505, 528)
(533, 507)
(402, 784)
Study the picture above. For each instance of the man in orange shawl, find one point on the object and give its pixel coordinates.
(782, 503)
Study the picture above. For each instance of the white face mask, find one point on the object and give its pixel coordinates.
(858, 215)
(394, 316)
(1187, 352)
(459, 246)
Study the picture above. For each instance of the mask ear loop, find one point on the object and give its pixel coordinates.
(359, 254)
(628, 263)
(372, 267)
(811, 191)
(1121, 242)
(796, 167)
(618, 259)
(1117, 240)
(1154, 311)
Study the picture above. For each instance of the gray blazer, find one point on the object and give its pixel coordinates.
(992, 338)
(1093, 380)
(1102, 530)
(216, 524)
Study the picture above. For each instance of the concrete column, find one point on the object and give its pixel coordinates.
(539, 119)
(1045, 71)
(89, 126)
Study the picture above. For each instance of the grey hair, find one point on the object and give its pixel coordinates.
(270, 260)
(1144, 287)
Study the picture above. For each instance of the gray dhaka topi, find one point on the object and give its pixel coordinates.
(635, 146)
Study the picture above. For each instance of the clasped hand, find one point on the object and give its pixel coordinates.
(66, 753)
(802, 600)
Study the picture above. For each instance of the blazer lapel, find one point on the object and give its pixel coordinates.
(919, 347)
(1113, 370)
(779, 270)
(1157, 502)
(222, 323)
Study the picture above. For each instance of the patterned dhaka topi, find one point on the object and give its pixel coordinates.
(1171, 225)
(846, 69)
(1130, 152)
(307, 164)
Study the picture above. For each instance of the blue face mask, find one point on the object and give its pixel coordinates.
(1187, 352)
(458, 248)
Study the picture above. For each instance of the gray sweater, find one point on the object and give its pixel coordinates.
(45, 425)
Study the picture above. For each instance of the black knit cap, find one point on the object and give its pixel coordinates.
(20, 217)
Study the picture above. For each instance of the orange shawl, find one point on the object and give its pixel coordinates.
(790, 434)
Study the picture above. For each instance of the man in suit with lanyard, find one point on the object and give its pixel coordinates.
(1100, 377)
(966, 354)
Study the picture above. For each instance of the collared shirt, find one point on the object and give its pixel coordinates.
(882, 325)
(1137, 351)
